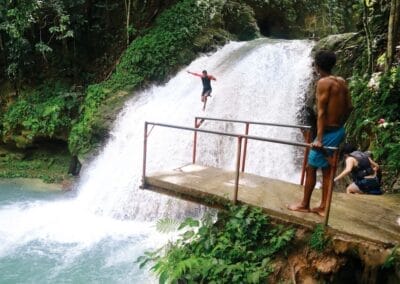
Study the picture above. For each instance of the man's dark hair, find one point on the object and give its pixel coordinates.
(325, 60)
(204, 71)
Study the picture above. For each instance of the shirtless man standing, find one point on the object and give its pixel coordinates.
(333, 108)
(206, 80)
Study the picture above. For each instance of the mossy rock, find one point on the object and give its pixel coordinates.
(239, 19)
(348, 48)
(48, 161)
(22, 141)
(208, 41)
(107, 114)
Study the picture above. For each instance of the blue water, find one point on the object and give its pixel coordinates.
(42, 240)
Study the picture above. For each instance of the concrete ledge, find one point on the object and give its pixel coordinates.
(371, 218)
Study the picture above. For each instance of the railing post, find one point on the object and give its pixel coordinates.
(307, 137)
(335, 159)
(195, 141)
(237, 172)
(245, 147)
(144, 155)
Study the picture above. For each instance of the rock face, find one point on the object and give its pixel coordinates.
(344, 260)
(348, 48)
(240, 20)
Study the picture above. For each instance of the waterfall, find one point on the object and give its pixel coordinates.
(262, 80)
(97, 232)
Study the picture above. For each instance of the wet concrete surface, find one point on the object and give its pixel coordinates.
(368, 217)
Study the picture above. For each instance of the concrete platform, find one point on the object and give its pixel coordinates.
(372, 218)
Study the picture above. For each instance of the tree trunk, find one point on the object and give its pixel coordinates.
(393, 29)
(108, 17)
(128, 4)
(88, 38)
(368, 37)
(2, 51)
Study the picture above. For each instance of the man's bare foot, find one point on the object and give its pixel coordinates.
(298, 207)
(319, 210)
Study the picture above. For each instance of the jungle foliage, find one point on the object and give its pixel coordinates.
(62, 58)
(237, 248)
(375, 121)
(150, 57)
(51, 117)
(74, 40)
(49, 51)
(48, 44)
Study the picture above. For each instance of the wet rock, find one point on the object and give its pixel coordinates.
(347, 47)
(327, 265)
(346, 260)
(240, 20)
(396, 186)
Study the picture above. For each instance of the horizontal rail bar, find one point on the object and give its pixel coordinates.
(256, 122)
(279, 141)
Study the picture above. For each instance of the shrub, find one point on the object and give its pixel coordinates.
(318, 240)
(238, 248)
(45, 112)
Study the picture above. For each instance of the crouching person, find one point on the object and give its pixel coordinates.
(363, 172)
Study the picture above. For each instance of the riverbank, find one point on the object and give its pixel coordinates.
(48, 163)
(37, 185)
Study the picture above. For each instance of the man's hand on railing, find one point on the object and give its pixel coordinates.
(316, 145)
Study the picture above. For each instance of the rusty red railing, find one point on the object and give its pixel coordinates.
(239, 155)
(306, 130)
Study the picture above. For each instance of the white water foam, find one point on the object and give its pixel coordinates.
(262, 80)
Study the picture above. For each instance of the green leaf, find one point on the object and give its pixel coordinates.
(43, 48)
(163, 278)
(187, 235)
(189, 222)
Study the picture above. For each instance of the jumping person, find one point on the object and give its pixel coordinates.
(363, 171)
(206, 80)
(333, 108)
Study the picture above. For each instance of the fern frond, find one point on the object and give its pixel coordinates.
(167, 225)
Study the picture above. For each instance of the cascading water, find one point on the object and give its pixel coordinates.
(96, 233)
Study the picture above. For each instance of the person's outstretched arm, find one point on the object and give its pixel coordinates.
(195, 74)
(347, 169)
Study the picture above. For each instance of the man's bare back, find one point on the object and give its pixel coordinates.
(333, 103)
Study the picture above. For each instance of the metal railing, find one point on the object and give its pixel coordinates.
(241, 137)
(306, 130)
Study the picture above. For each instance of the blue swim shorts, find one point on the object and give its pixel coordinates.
(332, 138)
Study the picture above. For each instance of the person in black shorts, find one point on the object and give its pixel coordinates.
(206, 80)
(363, 171)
